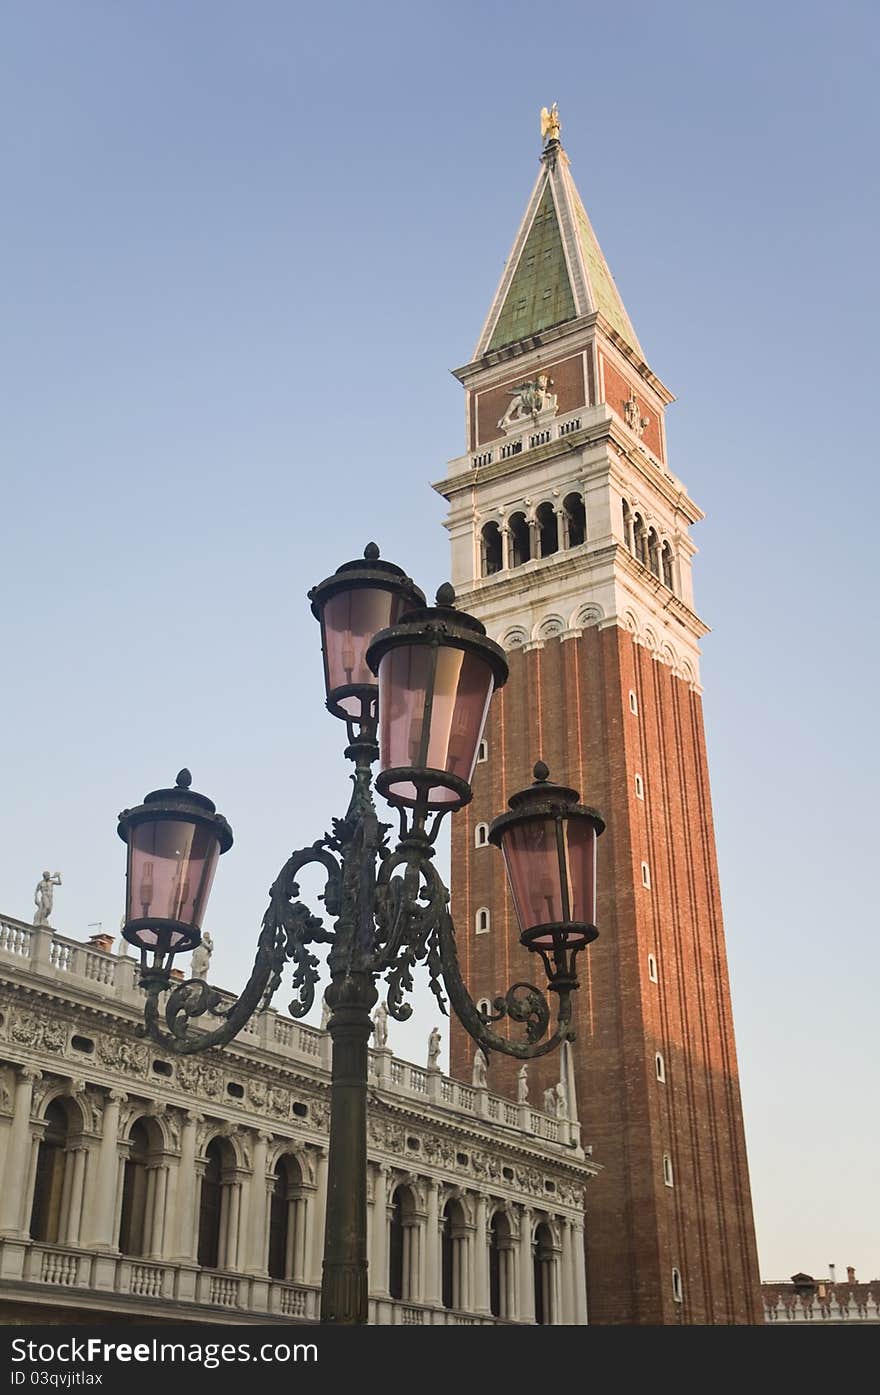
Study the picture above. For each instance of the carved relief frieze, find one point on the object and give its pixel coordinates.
(39, 1033)
(122, 1054)
(199, 1078)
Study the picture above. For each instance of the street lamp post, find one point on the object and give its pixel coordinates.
(413, 684)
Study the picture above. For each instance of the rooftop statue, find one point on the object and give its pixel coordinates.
(550, 124)
(43, 897)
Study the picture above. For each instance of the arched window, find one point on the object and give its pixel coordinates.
(654, 551)
(47, 1220)
(138, 1196)
(652, 968)
(667, 1170)
(482, 920)
(640, 539)
(217, 1241)
(627, 525)
(453, 1257)
(646, 875)
(666, 560)
(287, 1222)
(491, 557)
(501, 1273)
(633, 703)
(481, 835)
(548, 530)
(520, 540)
(640, 787)
(575, 520)
(542, 1254)
(403, 1255)
(660, 1067)
(676, 1286)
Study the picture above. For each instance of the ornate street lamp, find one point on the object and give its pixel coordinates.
(414, 696)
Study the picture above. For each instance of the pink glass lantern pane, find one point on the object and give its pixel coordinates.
(350, 620)
(532, 862)
(461, 685)
(582, 842)
(171, 866)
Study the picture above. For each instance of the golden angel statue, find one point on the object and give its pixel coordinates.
(550, 124)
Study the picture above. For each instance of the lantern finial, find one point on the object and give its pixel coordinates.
(541, 773)
(446, 595)
(371, 552)
(184, 779)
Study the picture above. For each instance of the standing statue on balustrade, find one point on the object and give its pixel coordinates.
(43, 897)
(201, 958)
(434, 1044)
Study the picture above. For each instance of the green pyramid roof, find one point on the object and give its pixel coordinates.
(556, 271)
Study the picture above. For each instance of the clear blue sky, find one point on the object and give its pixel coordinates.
(243, 247)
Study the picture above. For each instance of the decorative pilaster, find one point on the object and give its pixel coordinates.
(481, 1258)
(526, 1268)
(431, 1288)
(18, 1156)
(99, 1231)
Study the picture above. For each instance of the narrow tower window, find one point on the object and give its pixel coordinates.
(575, 520)
(654, 552)
(646, 875)
(481, 920)
(676, 1286)
(667, 1170)
(660, 1067)
(640, 539)
(490, 549)
(520, 541)
(666, 559)
(483, 751)
(652, 969)
(633, 703)
(640, 788)
(627, 525)
(481, 835)
(548, 530)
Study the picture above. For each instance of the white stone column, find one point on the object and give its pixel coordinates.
(481, 1259)
(100, 1212)
(14, 1202)
(526, 1306)
(431, 1289)
(186, 1227)
(257, 1237)
(72, 1213)
(157, 1194)
(580, 1271)
(316, 1248)
(378, 1270)
(567, 1276)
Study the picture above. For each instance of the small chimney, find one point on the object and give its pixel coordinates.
(102, 941)
(831, 1268)
(850, 1274)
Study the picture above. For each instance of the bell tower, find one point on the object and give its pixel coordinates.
(570, 540)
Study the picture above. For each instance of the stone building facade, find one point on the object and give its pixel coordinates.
(571, 541)
(140, 1186)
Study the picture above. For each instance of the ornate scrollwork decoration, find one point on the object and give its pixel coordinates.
(407, 909)
(522, 1003)
(288, 929)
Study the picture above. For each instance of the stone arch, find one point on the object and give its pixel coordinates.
(551, 627)
(586, 616)
(515, 638)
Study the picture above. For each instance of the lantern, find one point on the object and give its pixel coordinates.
(174, 840)
(437, 672)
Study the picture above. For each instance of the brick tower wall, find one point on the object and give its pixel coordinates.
(568, 704)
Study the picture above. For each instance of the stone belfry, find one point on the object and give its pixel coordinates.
(571, 541)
